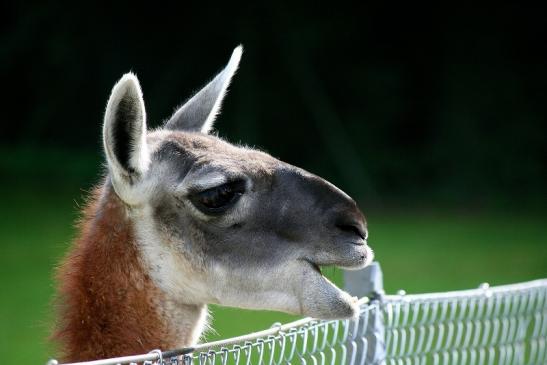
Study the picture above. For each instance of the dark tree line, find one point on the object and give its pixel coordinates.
(386, 102)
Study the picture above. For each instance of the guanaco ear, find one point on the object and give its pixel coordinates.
(124, 134)
(199, 113)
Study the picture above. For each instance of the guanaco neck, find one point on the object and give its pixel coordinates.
(108, 304)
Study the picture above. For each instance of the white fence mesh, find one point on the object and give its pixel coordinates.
(498, 326)
(503, 325)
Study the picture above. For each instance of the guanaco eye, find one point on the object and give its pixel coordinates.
(218, 199)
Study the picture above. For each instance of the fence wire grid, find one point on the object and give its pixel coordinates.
(490, 325)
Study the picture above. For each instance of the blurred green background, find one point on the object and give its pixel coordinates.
(433, 119)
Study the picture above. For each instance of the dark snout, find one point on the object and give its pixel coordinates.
(322, 206)
(320, 225)
(326, 223)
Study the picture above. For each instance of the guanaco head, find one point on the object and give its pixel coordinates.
(220, 223)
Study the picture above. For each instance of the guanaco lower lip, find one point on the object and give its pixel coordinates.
(321, 298)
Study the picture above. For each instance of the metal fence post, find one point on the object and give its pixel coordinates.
(369, 282)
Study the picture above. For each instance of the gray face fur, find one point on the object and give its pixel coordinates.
(218, 223)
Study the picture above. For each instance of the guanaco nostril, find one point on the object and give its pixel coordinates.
(351, 228)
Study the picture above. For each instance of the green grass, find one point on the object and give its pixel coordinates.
(418, 252)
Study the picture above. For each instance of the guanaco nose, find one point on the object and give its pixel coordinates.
(356, 228)
(350, 221)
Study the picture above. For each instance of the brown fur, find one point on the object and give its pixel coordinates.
(109, 306)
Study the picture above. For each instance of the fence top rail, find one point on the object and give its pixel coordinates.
(484, 290)
(157, 355)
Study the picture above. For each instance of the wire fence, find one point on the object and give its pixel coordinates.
(502, 325)
(489, 325)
